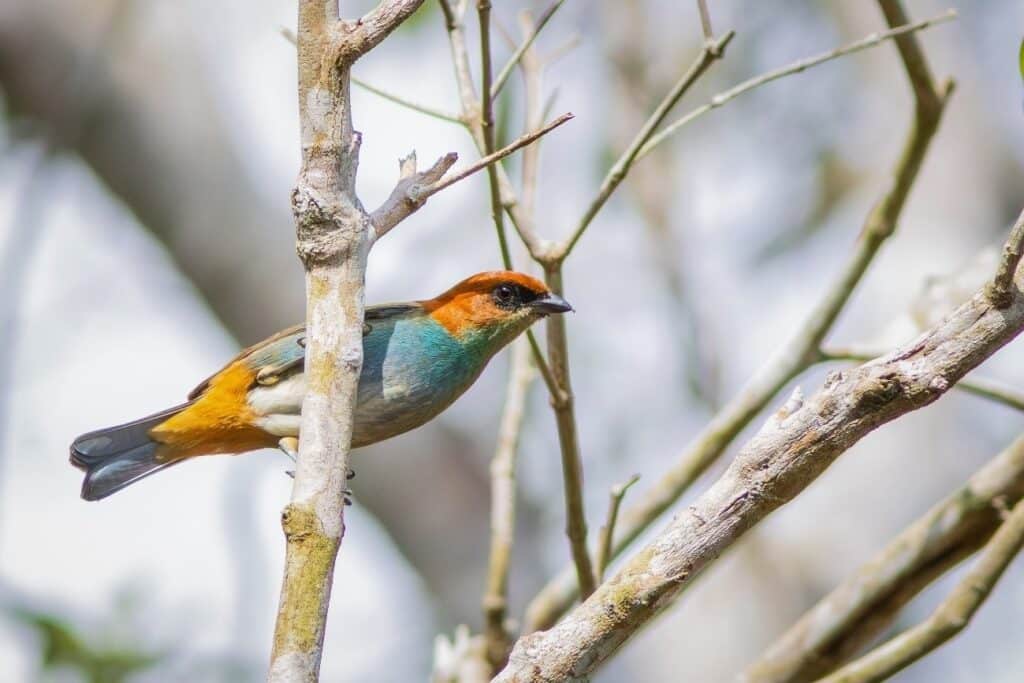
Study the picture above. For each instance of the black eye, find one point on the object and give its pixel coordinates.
(505, 296)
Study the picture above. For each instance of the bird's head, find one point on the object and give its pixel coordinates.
(494, 307)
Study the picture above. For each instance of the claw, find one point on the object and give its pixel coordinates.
(289, 445)
(350, 474)
(290, 473)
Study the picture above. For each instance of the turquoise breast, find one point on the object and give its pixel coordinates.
(412, 370)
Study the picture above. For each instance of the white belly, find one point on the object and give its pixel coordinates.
(279, 406)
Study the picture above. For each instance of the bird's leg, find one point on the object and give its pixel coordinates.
(289, 445)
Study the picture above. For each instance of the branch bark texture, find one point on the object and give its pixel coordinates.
(797, 355)
(334, 234)
(866, 603)
(795, 446)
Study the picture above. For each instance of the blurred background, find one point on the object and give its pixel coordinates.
(147, 153)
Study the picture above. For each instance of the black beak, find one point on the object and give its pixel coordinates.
(551, 303)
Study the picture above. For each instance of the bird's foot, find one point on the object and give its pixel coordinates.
(289, 445)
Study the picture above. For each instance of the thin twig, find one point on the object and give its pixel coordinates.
(710, 53)
(864, 605)
(984, 388)
(796, 67)
(483, 8)
(503, 505)
(409, 104)
(557, 376)
(434, 112)
(1003, 281)
(490, 160)
(604, 546)
(506, 71)
(568, 438)
(796, 356)
(705, 21)
(949, 618)
(414, 188)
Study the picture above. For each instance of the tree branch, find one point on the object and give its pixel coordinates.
(796, 356)
(506, 71)
(1008, 265)
(951, 617)
(866, 603)
(604, 547)
(921, 82)
(568, 439)
(711, 52)
(414, 188)
(792, 449)
(503, 505)
(334, 237)
(487, 129)
(985, 388)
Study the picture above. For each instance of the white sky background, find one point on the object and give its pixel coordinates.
(109, 331)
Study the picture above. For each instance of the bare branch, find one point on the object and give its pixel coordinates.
(705, 21)
(334, 236)
(503, 505)
(506, 71)
(951, 617)
(487, 129)
(413, 190)
(408, 195)
(407, 103)
(872, 40)
(792, 449)
(604, 547)
(866, 603)
(617, 173)
(799, 354)
(984, 388)
(568, 439)
(1011, 256)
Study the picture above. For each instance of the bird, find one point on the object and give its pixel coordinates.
(418, 358)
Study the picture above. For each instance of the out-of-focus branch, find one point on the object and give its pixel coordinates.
(483, 8)
(984, 388)
(951, 617)
(792, 449)
(432, 112)
(866, 603)
(796, 356)
(503, 505)
(921, 85)
(506, 71)
(604, 547)
(712, 51)
(705, 21)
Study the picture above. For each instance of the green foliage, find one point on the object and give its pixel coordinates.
(1020, 58)
(64, 647)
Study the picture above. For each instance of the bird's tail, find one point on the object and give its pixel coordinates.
(115, 457)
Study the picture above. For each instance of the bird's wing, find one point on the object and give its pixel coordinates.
(280, 354)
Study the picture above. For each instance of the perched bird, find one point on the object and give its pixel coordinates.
(418, 357)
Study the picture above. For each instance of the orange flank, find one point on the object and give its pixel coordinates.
(462, 307)
(218, 421)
